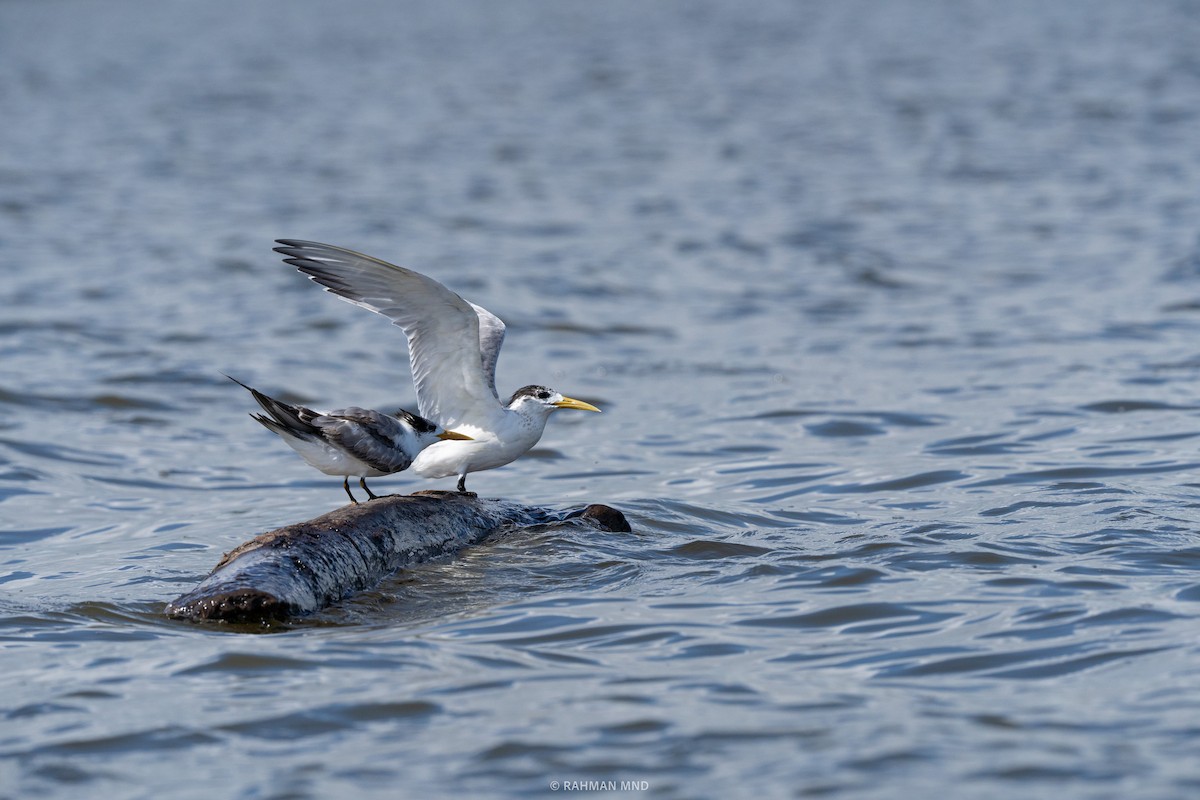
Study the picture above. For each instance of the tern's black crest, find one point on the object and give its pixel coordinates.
(534, 391)
(419, 424)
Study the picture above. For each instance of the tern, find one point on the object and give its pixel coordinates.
(351, 441)
(453, 346)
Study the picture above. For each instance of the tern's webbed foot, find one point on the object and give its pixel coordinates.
(363, 483)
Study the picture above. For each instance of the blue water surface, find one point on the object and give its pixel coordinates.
(892, 309)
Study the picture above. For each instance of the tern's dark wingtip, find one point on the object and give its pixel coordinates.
(292, 247)
(235, 380)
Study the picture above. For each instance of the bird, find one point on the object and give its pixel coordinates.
(351, 441)
(453, 346)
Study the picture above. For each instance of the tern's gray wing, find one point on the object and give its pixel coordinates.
(453, 345)
(491, 336)
(369, 436)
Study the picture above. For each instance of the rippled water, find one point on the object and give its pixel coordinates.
(892, 310)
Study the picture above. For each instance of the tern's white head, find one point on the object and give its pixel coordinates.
(536, 402)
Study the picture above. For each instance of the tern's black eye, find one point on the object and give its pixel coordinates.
(543, 395)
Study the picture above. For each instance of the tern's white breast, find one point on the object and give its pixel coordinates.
(508, 439)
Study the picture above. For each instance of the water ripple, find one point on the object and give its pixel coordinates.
(906, 428)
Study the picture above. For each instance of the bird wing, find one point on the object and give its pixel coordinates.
(284, 419)
(371, 437)
(453, 345)
(491, 336)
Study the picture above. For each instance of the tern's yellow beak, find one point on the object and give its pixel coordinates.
(571, 402)
(454, 435)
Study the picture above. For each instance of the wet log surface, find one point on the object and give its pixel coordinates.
(302, 568)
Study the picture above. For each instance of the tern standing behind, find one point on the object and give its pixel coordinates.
(350, 441)
(453, 346)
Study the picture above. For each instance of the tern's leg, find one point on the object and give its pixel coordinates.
(363, 483)
(346, 486)
(462, 483)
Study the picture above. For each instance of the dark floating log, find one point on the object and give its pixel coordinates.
(305, 567)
